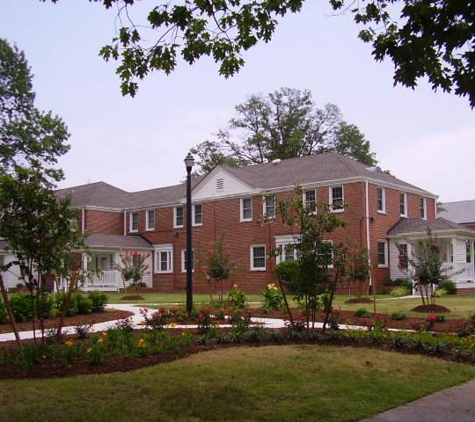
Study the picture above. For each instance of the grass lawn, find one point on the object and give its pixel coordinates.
(273, 383)
(461, 305)
(170, 298)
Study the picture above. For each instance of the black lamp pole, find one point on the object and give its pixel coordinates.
(189, 161)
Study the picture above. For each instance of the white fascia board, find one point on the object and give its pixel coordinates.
(441, 234)
(97, 208)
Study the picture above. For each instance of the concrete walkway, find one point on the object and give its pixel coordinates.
(456, 404)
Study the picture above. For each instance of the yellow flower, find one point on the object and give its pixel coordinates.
(100, 340)
(172, 325)
(89, 350)
(69, 343)
(104, 334)
(141, 343)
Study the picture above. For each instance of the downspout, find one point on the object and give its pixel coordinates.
(125, 223)
(368, 243)
(83, 220)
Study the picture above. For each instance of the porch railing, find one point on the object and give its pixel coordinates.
(460, 273)
(107, 280)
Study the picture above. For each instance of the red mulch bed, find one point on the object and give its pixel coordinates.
(132, 297)
(347, 317)
(436, 309)
(108, 315)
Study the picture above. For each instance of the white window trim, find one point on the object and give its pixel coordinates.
(131, 218)
(264, 207)
(183, 256)
(242, 209)
(147, 221)
(194, 216)
(252, 258)
(330, 196)
(383, 211)
(175, 226)
(304, 199)
(283, 241)
(332, 254)
(405, 203)
(163, 248)
(424, 199)
(386, 254)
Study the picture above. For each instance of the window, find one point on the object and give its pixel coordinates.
(402, 257)
(336, 198)
(381, 199)
(382, 253)
(134, 221)
(246, 209)
(269, 206)
(178, 218)
(184, 260)
(197, 215)
(451, 252)
(310, 200)
(286, 244)
(423, 208)
(468, 251)
(258, 258)
(164, 259)
(150, 217)
(403, 204)
(327, 252)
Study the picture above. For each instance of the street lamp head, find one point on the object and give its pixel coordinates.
(189, 161)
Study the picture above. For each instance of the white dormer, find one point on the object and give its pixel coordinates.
(220, 183)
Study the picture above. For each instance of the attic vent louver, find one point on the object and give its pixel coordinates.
(219, 184)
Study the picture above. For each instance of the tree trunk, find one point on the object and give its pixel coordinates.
(71, 287)
(284, 296)
(6, 301)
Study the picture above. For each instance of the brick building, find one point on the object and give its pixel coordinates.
(379, 210)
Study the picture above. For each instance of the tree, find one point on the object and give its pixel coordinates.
(423, 38)
(35, 224)
(283, 124)
(133, 268)
(28, 137)
(310, 274)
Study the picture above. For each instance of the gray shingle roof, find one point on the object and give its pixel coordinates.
(98, 194)
(117, 241)
(459, 211)
(325, 167)
(310, 169)
(419, 225)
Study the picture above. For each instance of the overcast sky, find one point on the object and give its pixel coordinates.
(422, 137)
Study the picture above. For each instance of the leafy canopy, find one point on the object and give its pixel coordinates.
(283, 124)
(423, 38)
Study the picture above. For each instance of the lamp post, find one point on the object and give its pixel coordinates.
(189, 161)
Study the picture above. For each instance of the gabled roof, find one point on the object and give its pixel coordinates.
(309, 169)
(459, 211)
(117, 241)
(98, 194)
(419, 225)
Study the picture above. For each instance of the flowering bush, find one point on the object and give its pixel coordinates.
(205, 319)
(237, 298)
(156, 320)
(273, 299)
(133, 268)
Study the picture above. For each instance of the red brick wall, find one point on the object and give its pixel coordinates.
(104, 222)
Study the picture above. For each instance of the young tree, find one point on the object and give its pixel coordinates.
(312, 274)
(283, 124)
(133, 268)
(424, 38)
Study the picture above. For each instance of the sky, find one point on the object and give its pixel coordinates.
(423, 137)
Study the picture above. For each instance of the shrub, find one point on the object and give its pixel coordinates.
(401, 282)
(400, 291)
(237, 299)
(45, 305)
(362, 313)
(157, 320)
(84, 304)
(398, 316)
(448, 285)
(98, 300)
(287, 270)
(273, 299)
(22, 307)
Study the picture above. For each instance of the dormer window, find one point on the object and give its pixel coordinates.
(134, 221)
